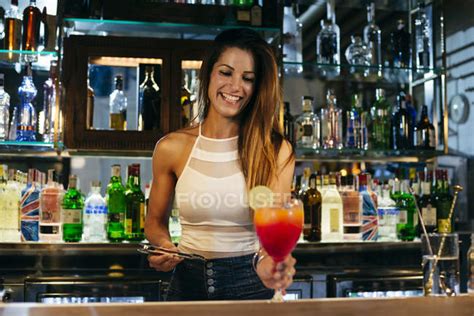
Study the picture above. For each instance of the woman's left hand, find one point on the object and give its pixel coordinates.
(276, 275)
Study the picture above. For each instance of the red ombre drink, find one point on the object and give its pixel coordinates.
(279, 228)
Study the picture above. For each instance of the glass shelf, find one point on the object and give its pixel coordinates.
(361, 73)
(351, 155)
(155, 29)
(9, 147)
(15, 58)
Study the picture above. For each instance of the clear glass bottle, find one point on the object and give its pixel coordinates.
(331, 123)
(328, 48)
(422, 37)
(388, 216)
(369, 210)
(331, 213)
(118, 106)
(51, 112)
(352, 209)
(150, 102)
(50, 224)
(72, 211)
(31, 30)
(95, 215)
(381, 122)
(400, 46)
(359, 55)
(354, 124)
(424, 132)
(26, 124)
(9, 213)
(307, 126)
(373, 39)
(4, 110)
(29, 208)
(292, 39)
(13, 30)
(116, 206)
(135, 206)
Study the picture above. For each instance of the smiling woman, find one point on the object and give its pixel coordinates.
(209, 169)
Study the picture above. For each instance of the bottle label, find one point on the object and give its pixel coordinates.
(429, 215)
(307, 130)
(243, 15)
(334, 220)
(444, 226)
(403, 217)
(142, 216)
(116, 217)
(95, 209)
(72, 216)
(128, 226)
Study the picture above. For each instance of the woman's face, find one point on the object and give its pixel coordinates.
(232, 81)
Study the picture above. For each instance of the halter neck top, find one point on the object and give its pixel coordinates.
(211, 195)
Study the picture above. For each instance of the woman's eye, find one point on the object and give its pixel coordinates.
(225, 73)
(248, 79)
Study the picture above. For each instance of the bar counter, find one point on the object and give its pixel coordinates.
(452, 306)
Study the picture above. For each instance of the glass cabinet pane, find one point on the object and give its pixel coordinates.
(123, 93)
(189, 92)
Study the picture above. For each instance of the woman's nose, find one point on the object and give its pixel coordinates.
(236, 83)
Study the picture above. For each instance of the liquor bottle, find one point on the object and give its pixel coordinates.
(256, 14)
(288, 124)
(388, 216)
(307, 126)
(331, 123)
(400, 46)
(26, 124)
(304, 184)
(401, 127)
(353, 126)
(150, 101)
(407, 227)
(116, 206)
(51, 111)
(422, 37)
(13, 30)
(31, 30)
(50, 223)
(29, 209)
(359, 55)
(243, 10)
(312, 209)
(292, 39)
(369, 210)
(427, 205)
(443, 200)
(4, 111)
(328, 43)
(381, 122)
(424, 131)
(412, 114)
(352, 210)
(72, 208)
(118, 106)
(331, 213)
(95, 216)
(372, 37)
(135, 205)
(9, 213)
(90, 106)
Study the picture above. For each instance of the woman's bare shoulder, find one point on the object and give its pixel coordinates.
(173, 144)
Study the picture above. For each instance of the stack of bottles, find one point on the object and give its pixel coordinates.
(383, 127)
(33, 209)
(340, 208)
(365, 50)
(23, 122)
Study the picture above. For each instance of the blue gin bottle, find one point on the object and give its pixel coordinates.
(26, 125)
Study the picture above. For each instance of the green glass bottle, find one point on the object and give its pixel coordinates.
(443, 200)
(380, 122)
(135, 202)
(116, 206)
(407, 227)
(72, 206)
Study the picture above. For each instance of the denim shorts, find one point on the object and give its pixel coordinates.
(217, 279)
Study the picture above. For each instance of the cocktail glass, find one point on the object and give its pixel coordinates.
(278, 228)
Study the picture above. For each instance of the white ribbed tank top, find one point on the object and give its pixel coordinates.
(211, 195)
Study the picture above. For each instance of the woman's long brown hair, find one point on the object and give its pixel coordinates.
(260, 137)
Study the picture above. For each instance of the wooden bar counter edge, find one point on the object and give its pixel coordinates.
(418, 306)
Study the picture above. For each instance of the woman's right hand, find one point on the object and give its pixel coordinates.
(164, 262)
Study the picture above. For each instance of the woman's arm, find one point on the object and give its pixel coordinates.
(161, 195)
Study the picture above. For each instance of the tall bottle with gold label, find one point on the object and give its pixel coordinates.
(135, 205)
